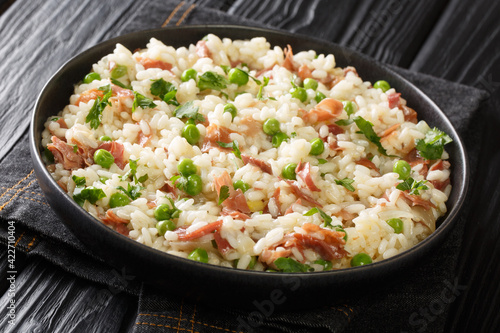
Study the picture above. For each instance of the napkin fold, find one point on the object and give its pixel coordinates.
(415, 299)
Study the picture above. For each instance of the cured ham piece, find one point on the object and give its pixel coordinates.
(327, 109)
(236, 200)
(65, 154)
(416, 200)
(216, 133)
(288, 62)
(151, 63)
(263, 165)
(409, 114)
(393, 99)
(329, 244)
(202, 50)
(118, 223)
(89, 95)
(367, 163)
(222, 244)
(301, 194)
(303, 171)
(198, 233)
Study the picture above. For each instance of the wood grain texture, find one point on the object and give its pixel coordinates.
(50, 300)
(51, 26)
(457, 40)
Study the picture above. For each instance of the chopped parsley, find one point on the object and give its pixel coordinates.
(79, 181)
(132, 173)
(190, 111)
(142, 101)
(409, 184)
(432, 146)
(289, 265)
(223, 194)
(166, 91)
(211, 80)
(326, 218)
(234, 145)
(91, 194)
(322, 161)
(366, 128)
(132, 191)
(261, 89)
(346, 182)
(95, 113)
(119, 84)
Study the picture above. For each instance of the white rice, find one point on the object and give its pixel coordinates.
(362, 213)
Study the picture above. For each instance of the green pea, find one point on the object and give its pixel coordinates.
(319, 96)
(186, 167)
(349, 107)
(396, 224)
(381, 84)
(189, 74)
(271, 126)
(278, 139)
(199, 254)
(118, 71)
(104, 138)
(238, 76)
(361, 259)
(402, 168)
(91, 77)
(162, 212)
(299, 93)
(229, 107)
(317, 147)
(191, 133)
(103, 158)
(118, 199)
(327, 265)
(310, 84)
(288, 171)
(240, 184)
(194, 185)
(164, 226)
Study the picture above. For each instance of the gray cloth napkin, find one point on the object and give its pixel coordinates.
(412, 300)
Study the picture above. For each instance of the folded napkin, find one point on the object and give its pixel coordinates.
(411, 300)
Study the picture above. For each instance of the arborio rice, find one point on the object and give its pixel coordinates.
(306, 169)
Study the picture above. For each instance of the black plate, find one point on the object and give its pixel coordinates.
(231, 286)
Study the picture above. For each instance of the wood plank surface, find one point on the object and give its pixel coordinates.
(456, 40)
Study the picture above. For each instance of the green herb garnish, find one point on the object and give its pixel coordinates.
(95, 113)
(132, 191)
(79, 181)
(142, 101)
(409, 184)
(289, 265)
(234, 145)
(261, 89)
(346, 182)
(188, 110)
(223, 194)
(366, 128)
(211, 80)
(326, 218)
(91, 194)
(165, 91)
(432, 146)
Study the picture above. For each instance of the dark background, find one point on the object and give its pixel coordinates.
(458, 40)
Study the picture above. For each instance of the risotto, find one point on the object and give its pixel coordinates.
(240, 154)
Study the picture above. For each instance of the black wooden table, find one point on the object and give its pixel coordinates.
(458, 40)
